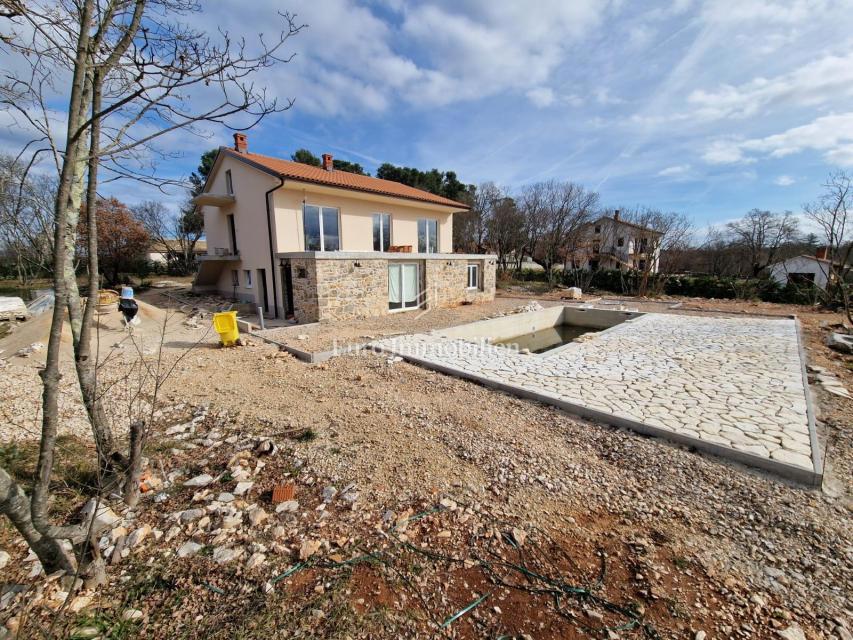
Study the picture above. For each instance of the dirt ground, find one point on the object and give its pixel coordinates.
(622, 536)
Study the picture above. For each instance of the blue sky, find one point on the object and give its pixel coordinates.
(708, 108)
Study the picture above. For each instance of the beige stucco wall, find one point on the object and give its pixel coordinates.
(356, 218)
(249, 209)
(250, 222)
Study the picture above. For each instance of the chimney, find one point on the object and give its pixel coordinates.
(822, 253)
(616, 215)
(241, 143)
(328, 162)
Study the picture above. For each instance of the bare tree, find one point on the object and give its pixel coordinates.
(761, 234)
(555, 213)
(505, 232)
(132, 73)
(26, 217)
(176, 236)
(663, 237)
(832, 213)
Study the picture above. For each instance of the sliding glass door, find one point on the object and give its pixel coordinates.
(403, 286)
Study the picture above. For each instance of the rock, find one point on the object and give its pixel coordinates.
(257, 516)
(188, 549)
(225, 497)
(138, 536)
(288, 505)
(700, 635)
(443, 534)
(329, 493)
(308, 549)
(255, 560)
(190, 514)
(105, 517)
(79, 603)
(519, 536)
(232, 522)
(4, 559)
(794, 632)
(243, 488)
(840, 342)
(132, 615)
(223, 555)
(199, 481)
(266, 448)
(85, 633)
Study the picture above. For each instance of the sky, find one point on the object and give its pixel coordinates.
(707, 108)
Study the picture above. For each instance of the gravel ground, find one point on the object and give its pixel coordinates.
(724, 550)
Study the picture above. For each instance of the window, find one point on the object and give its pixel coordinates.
(229, 184)
(322, 229)
(248, 275)
(644, 245)
(403, 286)
(598, 229)
(427, 236)
(596, 248)
(620, 242)
(235, 278)
(381, 231)
(473, 276)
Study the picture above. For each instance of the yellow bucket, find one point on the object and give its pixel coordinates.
(225, 324)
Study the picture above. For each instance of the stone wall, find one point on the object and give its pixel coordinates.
(337, 289)
(447, 282)
(352, 288)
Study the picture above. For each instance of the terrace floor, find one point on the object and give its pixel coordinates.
(734, 387)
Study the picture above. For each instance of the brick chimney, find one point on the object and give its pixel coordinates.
(616, 215)
(328, 162)
(822, 253)
(241, 143)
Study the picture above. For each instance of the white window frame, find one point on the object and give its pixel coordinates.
(473, 266)
(382, 231)
(229, 182)
(437, 233)
(322, 234)
(419, 302)
(248, 277)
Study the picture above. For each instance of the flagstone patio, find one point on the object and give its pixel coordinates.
(734, 387)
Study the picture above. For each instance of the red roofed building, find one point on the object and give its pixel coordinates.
(316, 243)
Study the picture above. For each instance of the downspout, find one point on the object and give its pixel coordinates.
(272, 253)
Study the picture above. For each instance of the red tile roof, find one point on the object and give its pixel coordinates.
(341, 179)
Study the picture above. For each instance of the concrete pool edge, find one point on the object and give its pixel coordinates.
(817, 458)
(809, 477)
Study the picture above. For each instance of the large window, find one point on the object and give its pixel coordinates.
(427, 236)
(381, 231)
(322, 228)
(403, 286)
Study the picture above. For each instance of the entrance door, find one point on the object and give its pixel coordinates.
(403, 286)
(287, 283)
(262, 279)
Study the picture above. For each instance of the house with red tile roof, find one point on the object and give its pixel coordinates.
(316, 243)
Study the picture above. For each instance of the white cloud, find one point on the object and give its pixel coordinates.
(817, 82)
(675, 170)
(542, 96)
(765, 11)
(784, 181)
(831, 135)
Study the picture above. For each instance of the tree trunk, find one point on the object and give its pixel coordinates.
(15, 505)
(134, 471)
(51, 373)
(85, 363)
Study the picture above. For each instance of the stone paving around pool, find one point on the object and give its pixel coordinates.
(733, 382)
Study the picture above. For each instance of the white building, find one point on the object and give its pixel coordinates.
(814, 269)
(613, 243)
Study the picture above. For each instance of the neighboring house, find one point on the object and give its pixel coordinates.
(613, 243)
(315, 243)
(159, 253)
(803, 269)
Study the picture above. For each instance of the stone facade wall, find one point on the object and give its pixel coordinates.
(345, 290)
(338, 289)
(447, 282)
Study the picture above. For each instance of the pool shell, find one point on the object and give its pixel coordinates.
(609, 321)
(498, 330)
